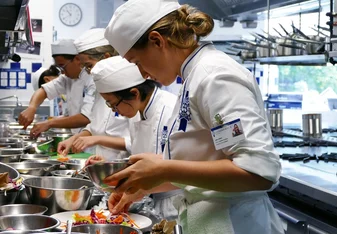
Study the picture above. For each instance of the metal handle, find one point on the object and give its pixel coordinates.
(289, 217)
(178, 229)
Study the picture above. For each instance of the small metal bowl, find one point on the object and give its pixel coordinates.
(104, 228)
(75, 164)
(17, 209)
(26, 157)
(32, 168)
(99, 171)
(31, 222)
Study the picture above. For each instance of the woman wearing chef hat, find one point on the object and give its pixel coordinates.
(75, 83)
(224, 178)
(45, 75)
(148, 107)
(92, 47)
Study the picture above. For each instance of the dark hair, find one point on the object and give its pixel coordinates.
(183, 28)
(144, 89)
(52, 71)
(66, 56)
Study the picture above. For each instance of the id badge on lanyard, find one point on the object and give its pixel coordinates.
(227, 134)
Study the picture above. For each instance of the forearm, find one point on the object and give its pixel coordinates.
(117, 143)
(37, 99)
(219, 175)
(75, 121)
(162, 188)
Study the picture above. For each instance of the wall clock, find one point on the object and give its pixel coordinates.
(70, 14)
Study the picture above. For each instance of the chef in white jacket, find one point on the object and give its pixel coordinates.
(225, 178)
(75, 83)
(148, 107)
(92, 47)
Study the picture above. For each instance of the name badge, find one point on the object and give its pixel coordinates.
(227, 134)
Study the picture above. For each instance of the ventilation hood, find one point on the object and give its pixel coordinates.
(237, 10)
(15, 22)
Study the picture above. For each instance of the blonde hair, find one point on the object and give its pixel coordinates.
(96, 53)
(182, 28)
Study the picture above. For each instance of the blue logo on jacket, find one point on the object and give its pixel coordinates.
(185, 112)
(163, 138)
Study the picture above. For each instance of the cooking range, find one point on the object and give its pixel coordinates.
(309, 177)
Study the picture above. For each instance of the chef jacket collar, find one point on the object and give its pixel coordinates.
(150, 108)
(188, 65)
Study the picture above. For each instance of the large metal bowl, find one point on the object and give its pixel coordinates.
(99, 171)
(17, 209)
(12, 172)
(8, 155)
(26, 157)
(104, 228)
(59, 193)
(11, 143)
(8, 197)
(32, 168)
(32, 222)
(23, 232)
(75, 164)
(56, 164)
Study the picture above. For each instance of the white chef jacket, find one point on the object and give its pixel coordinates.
(216, 84)
(149, 136)
(80, 93)
(105, 122)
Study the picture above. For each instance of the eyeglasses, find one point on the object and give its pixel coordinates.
(62, 68)
(88, 68)
(114, 107)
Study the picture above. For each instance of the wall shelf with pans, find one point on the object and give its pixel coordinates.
(298, 60)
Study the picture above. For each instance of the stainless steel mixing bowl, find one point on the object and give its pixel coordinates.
(32, 168)
(59, 193)
(104, 228)
(75, 164)
(26, 157)
(17, 209)
(28, 222)
(99, 171)
(12, 172)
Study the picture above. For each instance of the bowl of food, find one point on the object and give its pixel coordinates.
(59, 194)
(32, 168)
(17, 209)
(31, 222)
(26, 157)
(99, 171)
(105, 228)
(9, 183)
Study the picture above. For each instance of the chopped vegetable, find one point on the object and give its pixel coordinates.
(98, 217)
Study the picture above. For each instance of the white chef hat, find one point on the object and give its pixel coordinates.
(36, 76)
(115, 74)
(91, 39)
(65, 46)
(132, 19)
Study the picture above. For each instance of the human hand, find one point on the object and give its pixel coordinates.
(81, 143)
(121, 202)
(63, 147)
(143, 174)
(38, 128)
(93, 159)
(26, 117)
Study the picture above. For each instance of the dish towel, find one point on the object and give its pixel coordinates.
(204, 217)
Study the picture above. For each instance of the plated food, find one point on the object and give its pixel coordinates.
(6, 183)
(101, 217)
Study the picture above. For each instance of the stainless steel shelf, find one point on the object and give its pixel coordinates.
(302, 60)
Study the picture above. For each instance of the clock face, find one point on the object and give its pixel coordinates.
(70, 14)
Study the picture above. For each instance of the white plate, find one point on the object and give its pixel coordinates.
(142, 221)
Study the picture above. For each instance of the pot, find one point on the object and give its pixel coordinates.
(312, 125)
(275, 117)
